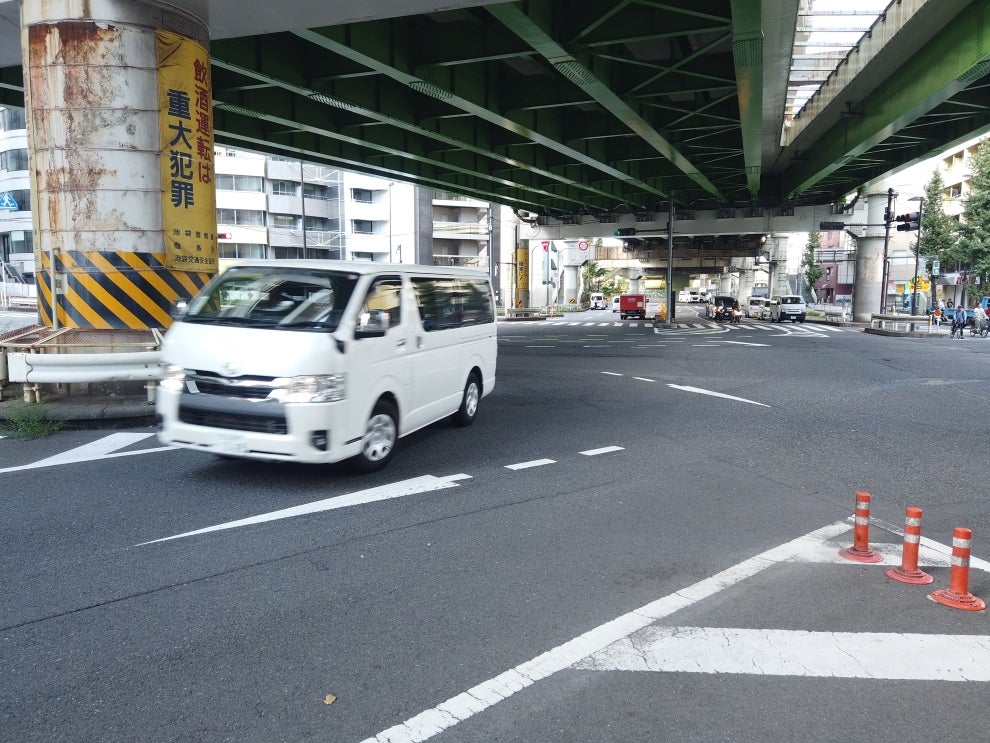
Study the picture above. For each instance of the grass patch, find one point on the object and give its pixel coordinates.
(27, 420)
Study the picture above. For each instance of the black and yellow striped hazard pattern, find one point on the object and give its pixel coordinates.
(116, 290)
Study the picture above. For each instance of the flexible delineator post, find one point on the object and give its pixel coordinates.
(860, 551)
(957, 595)
(908, 572)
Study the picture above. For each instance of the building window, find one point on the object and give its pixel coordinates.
(363, 195)
(317, 223)
(285, 188)
(285, 221)
(286, 253)
(227, 182)
(241, 250)
(14, 160)
(244, 217)
(362, 226)
(12, 119)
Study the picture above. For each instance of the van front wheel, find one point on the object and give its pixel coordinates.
(470, 400)
(380, 436)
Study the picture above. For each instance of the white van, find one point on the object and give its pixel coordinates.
(321, 361)
(598, 302)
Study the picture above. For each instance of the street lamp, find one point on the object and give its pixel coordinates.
(917, 253)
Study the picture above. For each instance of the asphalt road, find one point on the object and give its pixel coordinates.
(607, 554)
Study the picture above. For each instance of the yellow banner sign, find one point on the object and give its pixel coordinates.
(185, 121)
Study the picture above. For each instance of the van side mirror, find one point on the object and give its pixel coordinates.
(372, 324)
(178, 309)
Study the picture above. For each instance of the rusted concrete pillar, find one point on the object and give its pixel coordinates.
(869, 260)
(120, 140)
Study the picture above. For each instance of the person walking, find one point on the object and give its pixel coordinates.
(958, 320)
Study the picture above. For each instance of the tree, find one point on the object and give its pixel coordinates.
(594, 278)
(812, 271)
(973, 248)
(938, 232)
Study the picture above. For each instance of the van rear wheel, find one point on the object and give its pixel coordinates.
(470, 401)
(378, 443)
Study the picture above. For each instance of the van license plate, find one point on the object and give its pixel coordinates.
(230, 444)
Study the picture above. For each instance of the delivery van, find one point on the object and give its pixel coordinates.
(598, 302)
(322, 361)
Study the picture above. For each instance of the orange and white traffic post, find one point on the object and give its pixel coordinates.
(860, 551)
(908, 572)
(957, 595)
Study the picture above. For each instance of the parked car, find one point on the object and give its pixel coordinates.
(755, 307)
(788, 307)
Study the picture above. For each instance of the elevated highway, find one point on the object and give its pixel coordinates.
(587, 116)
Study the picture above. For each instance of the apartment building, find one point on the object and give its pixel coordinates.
(269, 207)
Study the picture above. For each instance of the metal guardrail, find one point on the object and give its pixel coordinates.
(907, 323)
(40, 355)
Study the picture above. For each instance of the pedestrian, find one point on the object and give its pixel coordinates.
(937, 317)
(979, 318)
(958, 320)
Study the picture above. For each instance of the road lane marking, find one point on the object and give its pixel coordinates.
(527, 465)
(743, 343)
(446, 715)
(603, 450)
(700, 391)
(414, 486)
(776, 652)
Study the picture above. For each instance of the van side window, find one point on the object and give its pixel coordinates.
(383, 305)
(452, 303)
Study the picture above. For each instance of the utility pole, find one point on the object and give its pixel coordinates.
(888, 217)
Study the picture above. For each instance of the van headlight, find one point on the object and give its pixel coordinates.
(173, 378)
(315, 388)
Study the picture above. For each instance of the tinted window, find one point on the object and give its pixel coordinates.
(791, 300)
(452, 302)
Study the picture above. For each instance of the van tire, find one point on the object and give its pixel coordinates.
(470, 401)
(380, 436)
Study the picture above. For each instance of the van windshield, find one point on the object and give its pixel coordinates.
(270, 296)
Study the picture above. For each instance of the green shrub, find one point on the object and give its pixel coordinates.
(28, 420)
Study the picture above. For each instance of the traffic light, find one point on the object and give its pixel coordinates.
(625, 231)
(908, 222)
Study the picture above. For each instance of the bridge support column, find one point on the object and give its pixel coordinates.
(118, 103)
(867, 288)
(725, 284)
(747, 276)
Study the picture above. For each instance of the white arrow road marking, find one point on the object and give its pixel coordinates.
(774, 652)
(424, 484)
(103, 448)
(715, 394)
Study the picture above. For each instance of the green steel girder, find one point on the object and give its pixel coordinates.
(368, 49)
(578, 73)
(936, 72)
(747, 48)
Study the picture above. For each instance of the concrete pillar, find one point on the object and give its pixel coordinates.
(867, 289)
(747, 275)
(118, 103)
(571, 282)
(725, 284)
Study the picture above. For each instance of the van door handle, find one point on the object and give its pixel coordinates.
(401, 343)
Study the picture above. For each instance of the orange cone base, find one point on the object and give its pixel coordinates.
(851, 553)
(965, 601)
(918, 577)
